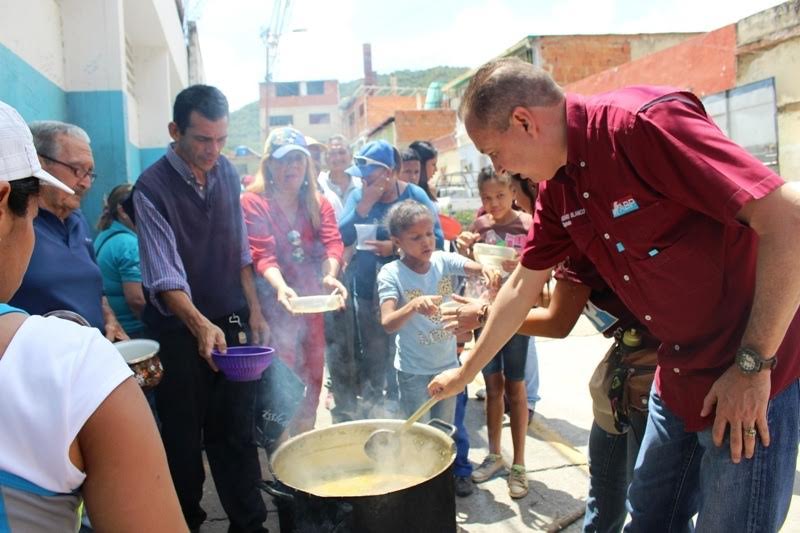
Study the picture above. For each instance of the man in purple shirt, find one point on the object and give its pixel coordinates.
(198, 280)
(699, 240)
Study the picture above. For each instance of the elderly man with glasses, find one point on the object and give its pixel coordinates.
(63, 273)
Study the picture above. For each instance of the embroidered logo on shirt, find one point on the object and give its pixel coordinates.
(566, 220)
(624, 206)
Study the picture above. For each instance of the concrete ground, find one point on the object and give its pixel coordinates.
(555, 451)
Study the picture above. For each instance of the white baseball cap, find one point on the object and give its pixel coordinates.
(17, 153)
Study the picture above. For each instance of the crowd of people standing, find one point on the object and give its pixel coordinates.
(188, 258)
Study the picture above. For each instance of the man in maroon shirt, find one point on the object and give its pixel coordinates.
(699, 240)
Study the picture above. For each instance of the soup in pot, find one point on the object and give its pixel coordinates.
(365, 484)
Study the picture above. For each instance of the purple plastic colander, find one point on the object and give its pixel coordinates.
(243, 363)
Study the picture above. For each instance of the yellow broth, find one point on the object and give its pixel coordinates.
(365, 484)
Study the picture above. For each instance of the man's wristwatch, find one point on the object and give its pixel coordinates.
(750, 361)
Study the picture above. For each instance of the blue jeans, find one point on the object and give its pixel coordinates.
(611, 460)
(462, 467)
(414, 392)
(681, 473)
(532, 374)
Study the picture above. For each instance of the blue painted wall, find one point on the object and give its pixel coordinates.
(103, 114)
(148, 156)
(26, 89)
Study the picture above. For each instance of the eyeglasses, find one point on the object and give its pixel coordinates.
(294, 239)
(79, 172)
(362, 160)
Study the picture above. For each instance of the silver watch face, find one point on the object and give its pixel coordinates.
(747, 362)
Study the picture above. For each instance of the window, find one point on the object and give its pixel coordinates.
(287, 89)
(352, 119)
(747, 114)
(315, 87)
(361, 110)
(319, 118)
(281, 120)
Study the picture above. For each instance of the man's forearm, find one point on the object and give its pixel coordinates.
(777, 290)
(108, 314)
(179, 303)
(515, 299)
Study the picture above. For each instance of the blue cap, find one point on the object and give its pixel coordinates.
(371, 157)
(281, 141)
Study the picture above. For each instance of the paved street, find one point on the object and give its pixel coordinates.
(555, 450)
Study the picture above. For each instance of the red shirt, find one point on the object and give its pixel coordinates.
(268, 233)
(650, 193)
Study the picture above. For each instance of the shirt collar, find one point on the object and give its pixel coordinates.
(183, 168)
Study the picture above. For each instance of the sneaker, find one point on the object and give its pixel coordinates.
(464, 486)
(517, 482)
(480, 394)
(489, 468)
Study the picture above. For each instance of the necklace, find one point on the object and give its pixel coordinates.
(292, 235)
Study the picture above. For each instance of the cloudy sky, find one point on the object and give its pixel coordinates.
(418, 34)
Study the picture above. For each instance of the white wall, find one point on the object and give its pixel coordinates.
(38, 40)
(94, 46)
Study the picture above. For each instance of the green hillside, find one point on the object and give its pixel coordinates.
(244, 128)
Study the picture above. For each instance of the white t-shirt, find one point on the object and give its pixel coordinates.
(53, 376)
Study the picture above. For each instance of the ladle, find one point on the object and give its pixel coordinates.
(383, 443)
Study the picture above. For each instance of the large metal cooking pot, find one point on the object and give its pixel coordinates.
(318, 474)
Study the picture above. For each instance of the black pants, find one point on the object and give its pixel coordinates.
(197, 408)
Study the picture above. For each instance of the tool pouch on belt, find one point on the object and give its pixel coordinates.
(621, 383)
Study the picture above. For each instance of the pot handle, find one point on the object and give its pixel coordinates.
(271, 488)
(438, 423)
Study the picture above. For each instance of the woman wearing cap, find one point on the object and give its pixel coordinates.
(378, 165)
(74, 422)
(297, 249)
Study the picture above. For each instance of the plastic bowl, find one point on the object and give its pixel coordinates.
(243, 363)
(492, 255)
(316, 304)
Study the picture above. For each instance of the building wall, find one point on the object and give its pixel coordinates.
(423, 125)
(769, 46)
(66, 60)
(376, 109)
(705, 64)
(300, 107)
(301, 120)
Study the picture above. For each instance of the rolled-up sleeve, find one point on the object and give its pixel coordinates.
(162, 267)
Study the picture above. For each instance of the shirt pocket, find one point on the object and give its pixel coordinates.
(636, 230)
(683, 287)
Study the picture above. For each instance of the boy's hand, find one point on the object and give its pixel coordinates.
(426, 305)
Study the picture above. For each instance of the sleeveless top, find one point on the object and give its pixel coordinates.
(44, 402)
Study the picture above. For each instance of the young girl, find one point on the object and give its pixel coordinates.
(506, 372)
(411, 290)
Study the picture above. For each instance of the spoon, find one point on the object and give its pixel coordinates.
(386, 442)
